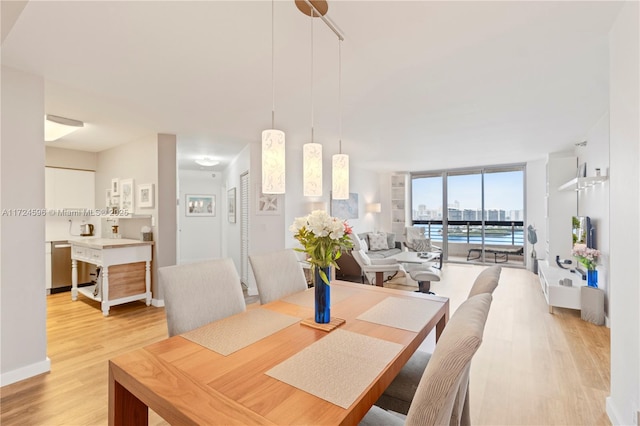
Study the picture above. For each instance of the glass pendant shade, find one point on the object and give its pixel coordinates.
(273, 162)
(340, 177)
(312, 169)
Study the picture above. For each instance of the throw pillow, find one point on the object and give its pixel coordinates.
(378, 241)
(364, 246)
(421, 244)
(391, 240)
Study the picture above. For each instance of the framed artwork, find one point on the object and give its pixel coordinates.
(231, 205)
(115, 187)
(145, 196)
(582, 170)
(345, 209)
(107, 198)
(267, 203)
(200, 205)
(126, 195)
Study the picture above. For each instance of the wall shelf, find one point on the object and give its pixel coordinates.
(578, 184)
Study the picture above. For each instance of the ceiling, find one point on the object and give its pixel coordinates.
(425, 85)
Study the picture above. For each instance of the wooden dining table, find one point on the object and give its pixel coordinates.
(186, 382)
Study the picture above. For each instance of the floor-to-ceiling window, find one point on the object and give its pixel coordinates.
(476, 214)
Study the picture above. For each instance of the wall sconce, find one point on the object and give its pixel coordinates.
(374, 208)
(56, 127)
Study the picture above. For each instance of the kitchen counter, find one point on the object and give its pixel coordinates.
(107, 243)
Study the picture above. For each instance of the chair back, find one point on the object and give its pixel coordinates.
(278, 274)
(196, 294)
(436, 393)
(486, 281)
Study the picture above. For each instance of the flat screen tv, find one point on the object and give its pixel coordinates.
(582, 231)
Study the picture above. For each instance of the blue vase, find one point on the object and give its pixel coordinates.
(592, 278)
(323, 296)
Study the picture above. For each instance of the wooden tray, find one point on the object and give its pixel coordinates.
(332, 325)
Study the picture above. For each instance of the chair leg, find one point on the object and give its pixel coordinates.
(424, 287)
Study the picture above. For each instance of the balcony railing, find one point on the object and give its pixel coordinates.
(471, 231)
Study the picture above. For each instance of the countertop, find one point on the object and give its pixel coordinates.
(106, 243)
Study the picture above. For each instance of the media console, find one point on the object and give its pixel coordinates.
(556, 294)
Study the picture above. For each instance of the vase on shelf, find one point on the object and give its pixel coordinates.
(322, 295)
(592, 278)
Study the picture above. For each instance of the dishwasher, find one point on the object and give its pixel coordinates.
(61, 268)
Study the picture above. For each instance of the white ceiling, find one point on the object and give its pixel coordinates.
(425, 85)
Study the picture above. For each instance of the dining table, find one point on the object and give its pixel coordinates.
(273, 365)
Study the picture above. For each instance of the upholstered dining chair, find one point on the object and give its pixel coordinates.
(196, 294)
(278, 274)
(399, 394)
(435, 397)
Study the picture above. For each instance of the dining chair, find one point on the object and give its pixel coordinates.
(436, 394)
(486, 281)
(399, 394)
(196, 294)
(278, 274)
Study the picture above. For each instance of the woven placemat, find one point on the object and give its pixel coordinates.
(234, 333)
(307, 299)
(338, 367)
(404, 313)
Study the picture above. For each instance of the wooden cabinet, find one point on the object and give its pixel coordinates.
(69, 189)
(399, 204)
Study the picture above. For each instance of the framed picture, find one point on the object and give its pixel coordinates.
(145, 196)
(126, 195)
(107, 198)
(115, 187)
(231, 205)
(200, 205)
(345, 209)
(267, 203)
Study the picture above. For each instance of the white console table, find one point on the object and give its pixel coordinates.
(126, 270)
(556, 294)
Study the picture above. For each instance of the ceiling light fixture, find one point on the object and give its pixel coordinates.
(56, 127)
(273, 141)
(312, 152)
(340, 161)
(207, 162)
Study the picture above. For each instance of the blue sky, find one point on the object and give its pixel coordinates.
(503, 190)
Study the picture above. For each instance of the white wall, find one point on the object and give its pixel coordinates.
(535, 208)
(594, 201)
(624, 184)
(200, 237)
(23, 348)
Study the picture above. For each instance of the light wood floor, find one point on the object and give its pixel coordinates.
(533, 368)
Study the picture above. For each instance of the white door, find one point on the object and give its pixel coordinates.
(244, 228)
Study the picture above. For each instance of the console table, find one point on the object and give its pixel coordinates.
(556, 294)
(126, 270)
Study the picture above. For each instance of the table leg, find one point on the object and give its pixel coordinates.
(441, 323)
(380, 279)
(124, 407)
(74, 279)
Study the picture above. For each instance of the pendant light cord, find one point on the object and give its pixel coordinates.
(340, 94)
(273, 74)
(312, 13)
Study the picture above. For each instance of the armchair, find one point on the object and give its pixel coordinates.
(415, 240)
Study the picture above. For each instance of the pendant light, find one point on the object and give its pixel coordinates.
(312, 152)
(340, 161)
(273, 140)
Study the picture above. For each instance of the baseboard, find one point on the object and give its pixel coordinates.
(25, 372)
(158, 303)
(614, 415)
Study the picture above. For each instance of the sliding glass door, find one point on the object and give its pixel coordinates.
(484, 214)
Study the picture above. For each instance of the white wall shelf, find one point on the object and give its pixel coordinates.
(578, 184)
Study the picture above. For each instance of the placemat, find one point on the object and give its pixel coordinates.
(234, 333)
(307, 299)
(398, 312)
(338, 367)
